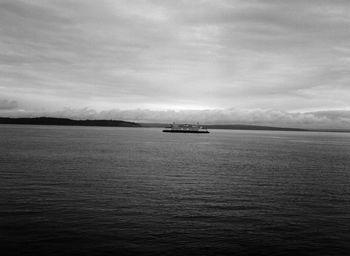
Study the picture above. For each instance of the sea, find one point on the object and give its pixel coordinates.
(138, 191)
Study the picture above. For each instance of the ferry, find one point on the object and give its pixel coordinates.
(186, 128)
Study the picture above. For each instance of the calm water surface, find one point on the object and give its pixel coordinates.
(95, 191)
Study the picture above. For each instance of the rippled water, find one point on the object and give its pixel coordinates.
(93, 191)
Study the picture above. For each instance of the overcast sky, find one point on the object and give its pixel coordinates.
(272, 61)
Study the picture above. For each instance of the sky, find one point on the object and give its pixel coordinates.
(273, 62)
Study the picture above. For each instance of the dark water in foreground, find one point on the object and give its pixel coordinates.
(95, 191)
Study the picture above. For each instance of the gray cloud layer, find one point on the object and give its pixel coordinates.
(288, 56)
(8, 105)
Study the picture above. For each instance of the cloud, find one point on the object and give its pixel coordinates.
(334, 115)
(8, 104)
(288, 56)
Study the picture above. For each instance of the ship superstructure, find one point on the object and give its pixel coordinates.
(186, 128)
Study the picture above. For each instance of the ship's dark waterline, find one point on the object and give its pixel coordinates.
(102, 191)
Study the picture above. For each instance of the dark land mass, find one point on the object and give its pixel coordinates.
(251, 127)
(154, 125)
(332, 130)
(66, 121)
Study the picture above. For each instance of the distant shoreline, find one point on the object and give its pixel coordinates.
(67, 122)
(120, 123)
(233, 127)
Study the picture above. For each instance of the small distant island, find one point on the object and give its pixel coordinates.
(66, 122)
